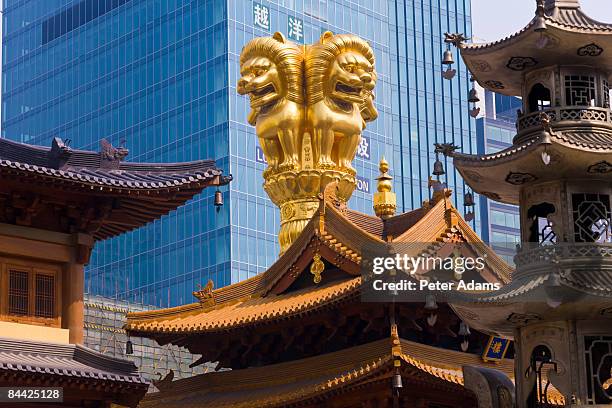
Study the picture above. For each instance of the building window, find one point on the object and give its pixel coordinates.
(45, 296)
(606, 94)
(579, 90)
(31, 293)
(18, 293)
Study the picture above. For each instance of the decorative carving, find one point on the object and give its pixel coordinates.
(520, 63)
(481, 66)
(590, 50)
(599, 367)
(304, 155)
(446, 149)
(601, 167)
(472, 175)
(456, 39)
(523, 318)
(164, 383)
(205, 294)
(317, 267)
(60, 153)
(338, 71)
(494, 84)
(271, 69)
(518, 179)
(111, 156)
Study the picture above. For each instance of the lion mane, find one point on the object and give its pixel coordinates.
(321, 55)
(287, 56)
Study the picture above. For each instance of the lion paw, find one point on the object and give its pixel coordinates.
(288, 165)
(326, 164)
(349, 169)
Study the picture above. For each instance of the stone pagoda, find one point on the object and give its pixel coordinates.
(558, 307)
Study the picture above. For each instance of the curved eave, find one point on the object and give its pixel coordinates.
(500, 176)
(490, 63)
(525, 300)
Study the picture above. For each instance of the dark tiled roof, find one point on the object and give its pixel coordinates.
(104, 168)
(108, 196)
(68, 360)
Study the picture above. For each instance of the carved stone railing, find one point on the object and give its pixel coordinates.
(547, 255)
(569, 113)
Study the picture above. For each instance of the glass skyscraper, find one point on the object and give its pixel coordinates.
(159, 76)
(495, 130)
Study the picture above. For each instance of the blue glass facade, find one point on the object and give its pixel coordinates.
(500, 222)
(159, 77)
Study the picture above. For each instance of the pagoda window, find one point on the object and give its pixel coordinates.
(580, 90)
(539, 98)
(592, 218)
(541, 228)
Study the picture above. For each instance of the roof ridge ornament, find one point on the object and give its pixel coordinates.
(385, 201)
(60, 153)
(457, 39)
(110, 155)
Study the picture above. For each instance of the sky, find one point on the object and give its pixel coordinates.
(495, 19)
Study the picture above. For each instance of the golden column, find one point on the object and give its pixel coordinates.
(309, 105)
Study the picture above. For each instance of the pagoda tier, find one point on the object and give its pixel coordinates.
(559, 34)
(66, 190)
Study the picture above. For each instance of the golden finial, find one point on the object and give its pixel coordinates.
(385, 202)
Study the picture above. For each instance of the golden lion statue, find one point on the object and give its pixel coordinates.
(271, 70)
(340, 78)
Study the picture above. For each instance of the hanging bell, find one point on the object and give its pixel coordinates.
(540, 24)
(447, 58)
(129, 347)
(465, 344)
(438, 168)
(464, 329)
(430, 303)
(218, 199)
(397, 381)
(432, 319)
(473, 97)
(468, 200)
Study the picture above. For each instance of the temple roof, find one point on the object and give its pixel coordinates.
(570, 36)
(64, 365)
(339, 236)
(318, 377)
(125, 195)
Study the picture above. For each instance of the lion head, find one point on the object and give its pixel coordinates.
(340, 67)
(271, 69)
